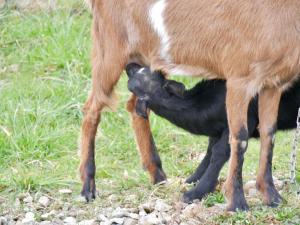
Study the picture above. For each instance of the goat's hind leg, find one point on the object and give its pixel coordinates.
(99, 98)
(268, 109)
(237, 102)
(146, 145)
(106, 72)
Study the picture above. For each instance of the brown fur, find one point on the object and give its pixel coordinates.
(268, 107)
(145, 144)
(254, 45)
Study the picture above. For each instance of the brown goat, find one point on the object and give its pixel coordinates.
(254, 45)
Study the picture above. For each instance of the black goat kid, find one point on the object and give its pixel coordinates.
(201, 110)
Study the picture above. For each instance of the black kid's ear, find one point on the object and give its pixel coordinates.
(175, 88)
(132, 68)
(141, 108)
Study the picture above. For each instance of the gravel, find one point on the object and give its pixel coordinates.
(64, 209)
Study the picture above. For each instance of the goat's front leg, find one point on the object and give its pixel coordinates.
(146, 145)
(196, 176)
(237, 103)
(268, 109)
(207, 184)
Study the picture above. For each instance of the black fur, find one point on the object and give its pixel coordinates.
(201, 110)
(89, 187)
(273, 195)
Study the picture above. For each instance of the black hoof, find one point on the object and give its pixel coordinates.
(190, 196)
(238, 204)
(89, 190)
(88, 195)
(159, 176)
(274, 198)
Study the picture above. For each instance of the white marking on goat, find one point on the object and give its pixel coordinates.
(244, 144)
(178, 71)
(156, 14)
(186, 70)
(273, 139)
(141, 70)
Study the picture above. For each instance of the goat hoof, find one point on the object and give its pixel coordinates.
(89, 190)
(88, 195)
(159, 177)
(190, 196)
(238, 204)
(273, 198)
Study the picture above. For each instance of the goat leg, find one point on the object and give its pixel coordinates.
(237, 102)
(146, 145)
(268, 108)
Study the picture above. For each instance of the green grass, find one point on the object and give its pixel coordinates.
(44, 81)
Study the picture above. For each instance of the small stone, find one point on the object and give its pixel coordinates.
(106, 223)
(112, 198)
(252, 192)
(48, 215)
(72, 213)
(147, 207)
(166, 217)
(150, 219)
(221, 206)
(70, 220)
(142, 213)
(102, 218)
(57, 221)
(279, 184)
(87, 222)
(3, 221)
(44, 201)
(65, 191)
(134, 216)
(21, 196)
(60, 215)
(28, 199)
(45, 216)
(29, 218)
(130, 221)
(119, 213)
(161, 206)
(117, 220)
(46, 223)
(249, 185)
(189, 211)
(80, 199)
